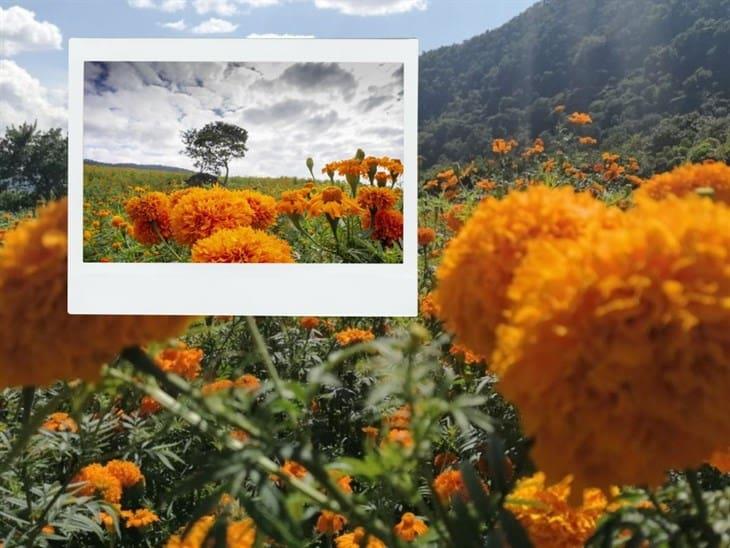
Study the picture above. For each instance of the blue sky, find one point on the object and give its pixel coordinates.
(35, 33)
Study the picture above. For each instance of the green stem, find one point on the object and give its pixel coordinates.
(264, 353)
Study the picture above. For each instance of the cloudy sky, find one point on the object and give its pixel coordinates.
(35, 33)
(135, 112)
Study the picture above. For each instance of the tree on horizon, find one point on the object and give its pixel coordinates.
(213, 146)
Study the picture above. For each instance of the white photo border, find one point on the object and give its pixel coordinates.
(358, 290)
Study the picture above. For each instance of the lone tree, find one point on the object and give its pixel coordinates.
(213, 146)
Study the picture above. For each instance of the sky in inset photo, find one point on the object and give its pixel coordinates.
(135, 112)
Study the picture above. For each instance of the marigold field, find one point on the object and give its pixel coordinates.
(565, 383)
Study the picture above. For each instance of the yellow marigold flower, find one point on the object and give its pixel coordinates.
(329, 523)
(138, 519)
(449, 484)
(195, 536)
(454, 217)
(263, 206)
(333, 203)
(721, 460)
(309, 322)
(241, 534)
(97, 479)
(241, 245)
(588, 141)
(118, 222)
(352, 335)
(426, 235)
(150, 214)
(478, 264)
(60, 422)
(181, 361)
(149, 406)
(548, 518)
(359, 538)
(374, 198)
(293, 203)
(622, 332)
(47, 343)
(580, 118)
(688, 179)
(125, 471)
(503, 146)
(387, 227)
(202, 212)
(410, 527)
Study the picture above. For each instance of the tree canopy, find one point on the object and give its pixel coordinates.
(213, 146)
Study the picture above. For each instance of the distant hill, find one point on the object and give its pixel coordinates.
(654, 74)
(148, 167)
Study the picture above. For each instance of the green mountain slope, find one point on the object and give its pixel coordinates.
(654, 74)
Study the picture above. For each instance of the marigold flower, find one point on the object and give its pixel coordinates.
(580, 118)
(293, 203)
(309, 322)
(721, 460)
(400, 418)
(375, 198)
(204, 211)
(548, 518)
(263, 206)
(597, 321)
(184, 362)
(150, 214)
(95, 478)
(454, 217)
(60, 422)
(478, 264)
(330, 170)
(241, 245)
(248, 382)
(216, 386)
(469, 357)
(503, 146)
(409, 527)
(241, 533)
(345, 483)
(118, 222)
(394, 167)
(426, 235)
(400, 436)
(352, 335)
(381, 178)
(47, 343)
(445, 459)
(370, 432)
(588, 141)
(293, 469)
(195, 536)
(688, 179)
(359, 538)
(329, 523)
(387, 227)
(449, 484)
(149, 406)
(125, 471)
(138, 519)
(333, 203)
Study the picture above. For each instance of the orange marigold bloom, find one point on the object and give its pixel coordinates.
(429, 308)
(388, 226)
(329, 523)
(309, 322)
(181, 361)
(400, 418)
(352, 167)
(688, 179)
(381, 178)
(47, 343)
(330, 170)
(333, 203)
(375, 198)
(426, 235)
(486, 184)
(454, 217)
(293, 203)
(547, 516)
(150, 214)
(352, 335)
(241, 245)
(503, 146)
(409, 527)
(195, 536)
(248, 382)
(588, 141)
(138, 519)
(125, 471)
(204, 211)
(97, 479)
(149, 406)
(469, 357)
(60, 422)
(445, 459)
(241, 533)
(613, 312)
(400, 436)
(216, 386)
(345, 483)
(721, 460)
(478, 263)
(359, 538)
(293, 469)
(449, 484)
(118, 222)
(263, 206)
(370, 432)
(580, 118)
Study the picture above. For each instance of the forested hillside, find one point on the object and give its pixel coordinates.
(654, 75)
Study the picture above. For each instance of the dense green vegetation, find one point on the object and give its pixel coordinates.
(654, 75)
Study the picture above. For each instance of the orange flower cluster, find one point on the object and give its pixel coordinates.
(386, 227)
(359, 538)
(239, 534)
(449, 484)
(333, 203)
(108, 481)
(538, 147)
(294, 203)
(182, 361)
(353, 335)
(150, 216)
(503, 146)
(580, 118)
(713, 178)
(60, 422)
(247, 382)
(241, 245)
(587, 141)
(410, 527)
(426, 236)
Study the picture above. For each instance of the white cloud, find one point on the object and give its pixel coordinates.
(175, 25)
(24, 99)
(214, 26)
(226, 8)
(22, 32)
(274, 35)
(162, 5)
(371, 7)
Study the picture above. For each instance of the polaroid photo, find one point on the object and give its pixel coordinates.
(243, 177)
